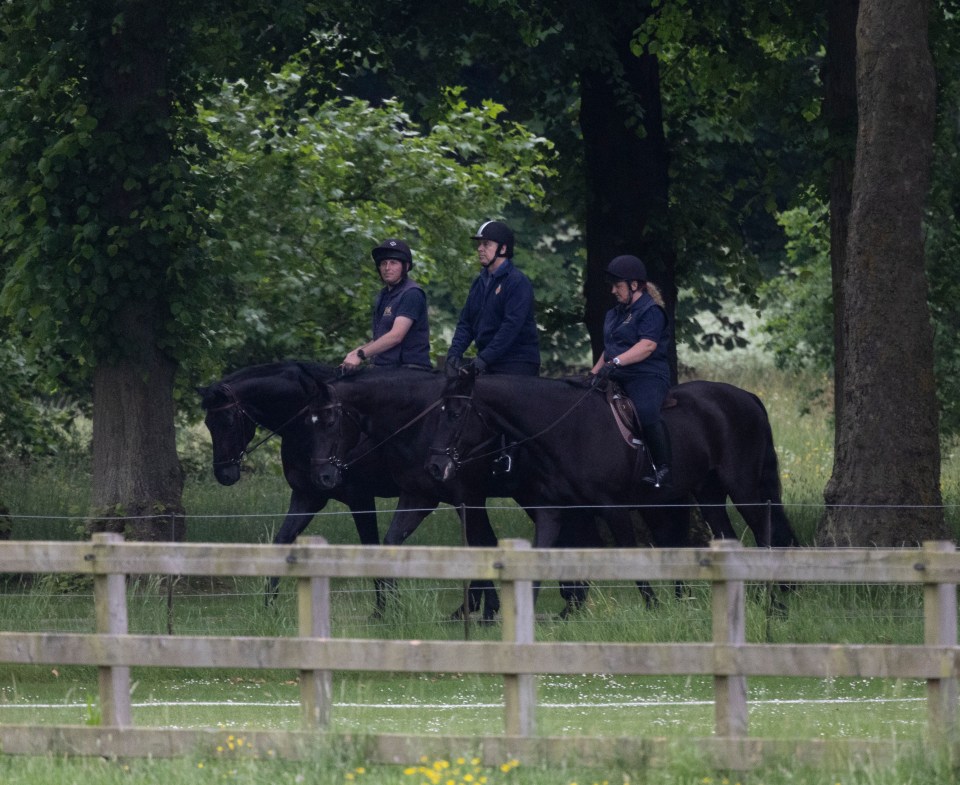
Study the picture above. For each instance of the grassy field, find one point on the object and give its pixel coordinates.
(48, 502)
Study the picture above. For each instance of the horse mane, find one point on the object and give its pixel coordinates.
(315, 370)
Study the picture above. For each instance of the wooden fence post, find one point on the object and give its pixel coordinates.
(729, 628)
(519, 690)
(313, 605)
(940, 629)
(110, 603)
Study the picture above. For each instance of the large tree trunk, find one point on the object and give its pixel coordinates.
(627, 181)
(137, 477)
(885, 488)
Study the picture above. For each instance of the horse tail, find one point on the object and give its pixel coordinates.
(770, 487)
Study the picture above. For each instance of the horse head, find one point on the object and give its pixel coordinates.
(458, 425)
(334, 430)
(231, 430)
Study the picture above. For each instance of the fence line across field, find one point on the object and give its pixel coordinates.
(518, 658)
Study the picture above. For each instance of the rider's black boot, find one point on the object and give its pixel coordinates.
(657, 439)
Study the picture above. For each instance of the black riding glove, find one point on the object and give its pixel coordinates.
(603, 374)
(475, 367)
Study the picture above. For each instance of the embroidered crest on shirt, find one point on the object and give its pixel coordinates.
(388, 311)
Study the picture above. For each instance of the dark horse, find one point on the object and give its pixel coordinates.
(722, 447)
(389, 411)
(275, 397)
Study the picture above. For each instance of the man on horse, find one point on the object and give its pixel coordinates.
(401, 333)
(636, 336)
(499, 313)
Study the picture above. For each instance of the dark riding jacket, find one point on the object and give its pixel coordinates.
(405, 299)
(626, 325)
(499, 317)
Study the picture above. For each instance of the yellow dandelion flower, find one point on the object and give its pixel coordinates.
(474, 761)
(468, 778)
(424, 759)
(409, 772)
(200, 765)
(360, 770)
(348, 775)
(239, 742)
(219, 748)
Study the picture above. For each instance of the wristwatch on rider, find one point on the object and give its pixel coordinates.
(361, 354)
(616, 361)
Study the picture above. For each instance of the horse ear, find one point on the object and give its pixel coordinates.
(309, 385)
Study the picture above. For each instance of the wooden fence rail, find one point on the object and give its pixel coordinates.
(517, 657)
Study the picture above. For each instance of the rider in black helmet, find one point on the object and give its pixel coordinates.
(636, 337)
(499, 313)
(401, 334)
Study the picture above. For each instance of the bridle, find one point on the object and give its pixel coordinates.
(336, 405)
(233, 402)
(476, 452)
(452, 450)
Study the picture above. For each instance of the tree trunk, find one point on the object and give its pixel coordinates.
(840, 111)
(885, 488)
(137, 477)
(627, 181)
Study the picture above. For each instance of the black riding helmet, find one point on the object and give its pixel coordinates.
(392, 249)
(627, 268)
(499, 232)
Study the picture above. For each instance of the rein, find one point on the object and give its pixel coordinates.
(343, 465)
(236, 404)
(451, 451)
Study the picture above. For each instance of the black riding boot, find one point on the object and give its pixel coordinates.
(658, 444)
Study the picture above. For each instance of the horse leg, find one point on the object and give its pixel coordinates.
(408, 515)
(624, 536)
(577, 530)
(363, 508)
(712, 498)
(547, 525)
(669, 528)
(304, 505)
(770, 528)
(480, 534)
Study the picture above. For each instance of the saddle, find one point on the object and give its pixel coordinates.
(625, 414)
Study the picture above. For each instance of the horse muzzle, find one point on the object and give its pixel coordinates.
(327, 475)
(227, 473)
(441, 468)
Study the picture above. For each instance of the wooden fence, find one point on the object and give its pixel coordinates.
(517, 657)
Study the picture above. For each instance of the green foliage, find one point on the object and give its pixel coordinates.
(741, 95)
(798, 303)
(307, 206)
(33, 422)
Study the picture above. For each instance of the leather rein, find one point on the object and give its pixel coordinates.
(337, 405)
(452, 451)
(235, 403)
